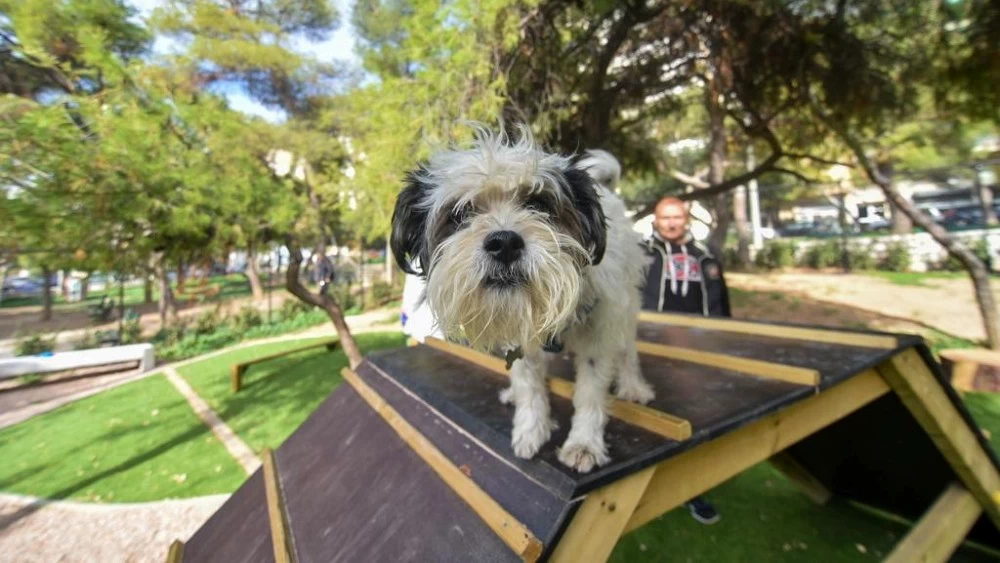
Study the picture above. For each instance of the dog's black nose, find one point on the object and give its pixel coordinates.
(505, 246)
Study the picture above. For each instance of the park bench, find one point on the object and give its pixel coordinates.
(64, 361)
(972, 369)
(239, 369)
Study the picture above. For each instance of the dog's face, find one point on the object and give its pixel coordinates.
(501, 232)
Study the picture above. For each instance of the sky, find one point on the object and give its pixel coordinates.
(340, 47)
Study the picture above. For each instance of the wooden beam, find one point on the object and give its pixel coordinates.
(963, 375)
(599, 523)
(801, 477)
(780, 372)
(830, 336)
(926, 399)
(664, 424)
(281, 533)
(176, 553)
(940, 530)
(239, 369)
(977, 355)
(515, 534)
(691, 473)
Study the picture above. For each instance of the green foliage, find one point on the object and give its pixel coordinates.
(87, 341)
(825, 254)
(776, 254)
(382, 292)
(34, 344)
(247, 318)
(896, 258)
(293, 307)
(131, 330)
(208, 322)
(981, 249)
(861, 257)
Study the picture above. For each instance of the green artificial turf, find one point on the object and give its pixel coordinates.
(277, 395)
(138, 442)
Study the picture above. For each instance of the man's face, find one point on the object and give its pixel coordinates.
(671, 222)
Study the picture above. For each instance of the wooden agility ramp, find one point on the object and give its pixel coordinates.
(411, 460)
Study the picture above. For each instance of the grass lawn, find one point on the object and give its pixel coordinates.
(138, 442)
(277, 395)
(233, 285)
(916, 278)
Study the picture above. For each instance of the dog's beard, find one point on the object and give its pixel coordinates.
(496, 306)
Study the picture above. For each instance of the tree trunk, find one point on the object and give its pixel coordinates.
(973, 265)
(900, 222)
(46, 293)
(253, 274)
(985, 195)
(85, 286)
(167, 304)
(717, 160)
(742, 228)
(147, 288)
(180, 275)
(326, 302)
(64, 286)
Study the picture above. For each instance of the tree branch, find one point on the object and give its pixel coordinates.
(798, 175)
(814, 158)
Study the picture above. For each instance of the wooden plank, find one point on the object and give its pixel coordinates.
(797, 333)
(176, 553)
(239, 369)
(600, 522)
(281, 533)
(976, 355)
(664, 424)
(923, 395)
(941, 530)
(791, 374)
(513, 532)
(963, 375)
(683, 477)
(801, 477)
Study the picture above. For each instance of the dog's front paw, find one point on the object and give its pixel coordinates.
(636, 391)
(528, 440)
(583, 456)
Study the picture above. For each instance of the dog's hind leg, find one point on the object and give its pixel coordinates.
(631, 385)
(532, 425)
(584, 448)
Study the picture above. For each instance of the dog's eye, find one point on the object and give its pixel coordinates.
(460, 213)
(539, 204)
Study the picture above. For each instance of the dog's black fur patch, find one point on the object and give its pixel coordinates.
(409, 220)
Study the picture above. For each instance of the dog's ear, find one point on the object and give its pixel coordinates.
(588, 206)
(409, 224)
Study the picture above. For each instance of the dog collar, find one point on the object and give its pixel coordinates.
(553, 344)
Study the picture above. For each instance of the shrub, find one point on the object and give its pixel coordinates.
(981, 249)
(131, 330)
(87, 341)
(382, 292)
(34, 344)
(861, 258)
(823, 255)
(209, 321)
(172, 333)
(897, 258)
(247, 318)
(343, 295)
(293, 307)
(776, 254)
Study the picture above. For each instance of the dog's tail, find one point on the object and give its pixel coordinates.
(602, 167)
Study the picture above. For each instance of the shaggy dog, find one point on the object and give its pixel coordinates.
(522, 251)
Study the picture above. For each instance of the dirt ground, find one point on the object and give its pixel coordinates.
(853, 300)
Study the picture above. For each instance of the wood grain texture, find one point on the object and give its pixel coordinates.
(790, 374)
(685, 476)
(514, 533)
(941, 530)
(281, 534)
(801, 477)
(831, 336)
(597, 526)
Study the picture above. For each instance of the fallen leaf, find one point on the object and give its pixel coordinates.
(642, 547)
(787, 547)
(155, 412)
(466, 470)
(861, 548)
(179, 478)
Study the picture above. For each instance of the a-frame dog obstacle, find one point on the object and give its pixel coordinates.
(411, 459)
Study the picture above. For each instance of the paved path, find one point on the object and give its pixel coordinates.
(233, 444)
(34, 530)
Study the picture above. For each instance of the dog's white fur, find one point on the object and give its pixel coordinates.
(495, 176)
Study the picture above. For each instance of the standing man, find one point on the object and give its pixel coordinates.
(684, 277)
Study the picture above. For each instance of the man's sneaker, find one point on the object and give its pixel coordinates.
(702, 511)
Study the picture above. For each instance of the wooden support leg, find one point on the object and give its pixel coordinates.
(923, 395)
(237, 377)
(600, 522)
(963, 376)
(801, 478)
(941, 530)
(176, 553)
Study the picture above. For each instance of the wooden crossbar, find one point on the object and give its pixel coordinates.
(941, 529)
(277, 512)
(664, 424)
(830, 336)
(515, 534)
(780, 372)
(237, 370)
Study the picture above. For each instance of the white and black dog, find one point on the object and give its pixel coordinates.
(521, 248)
